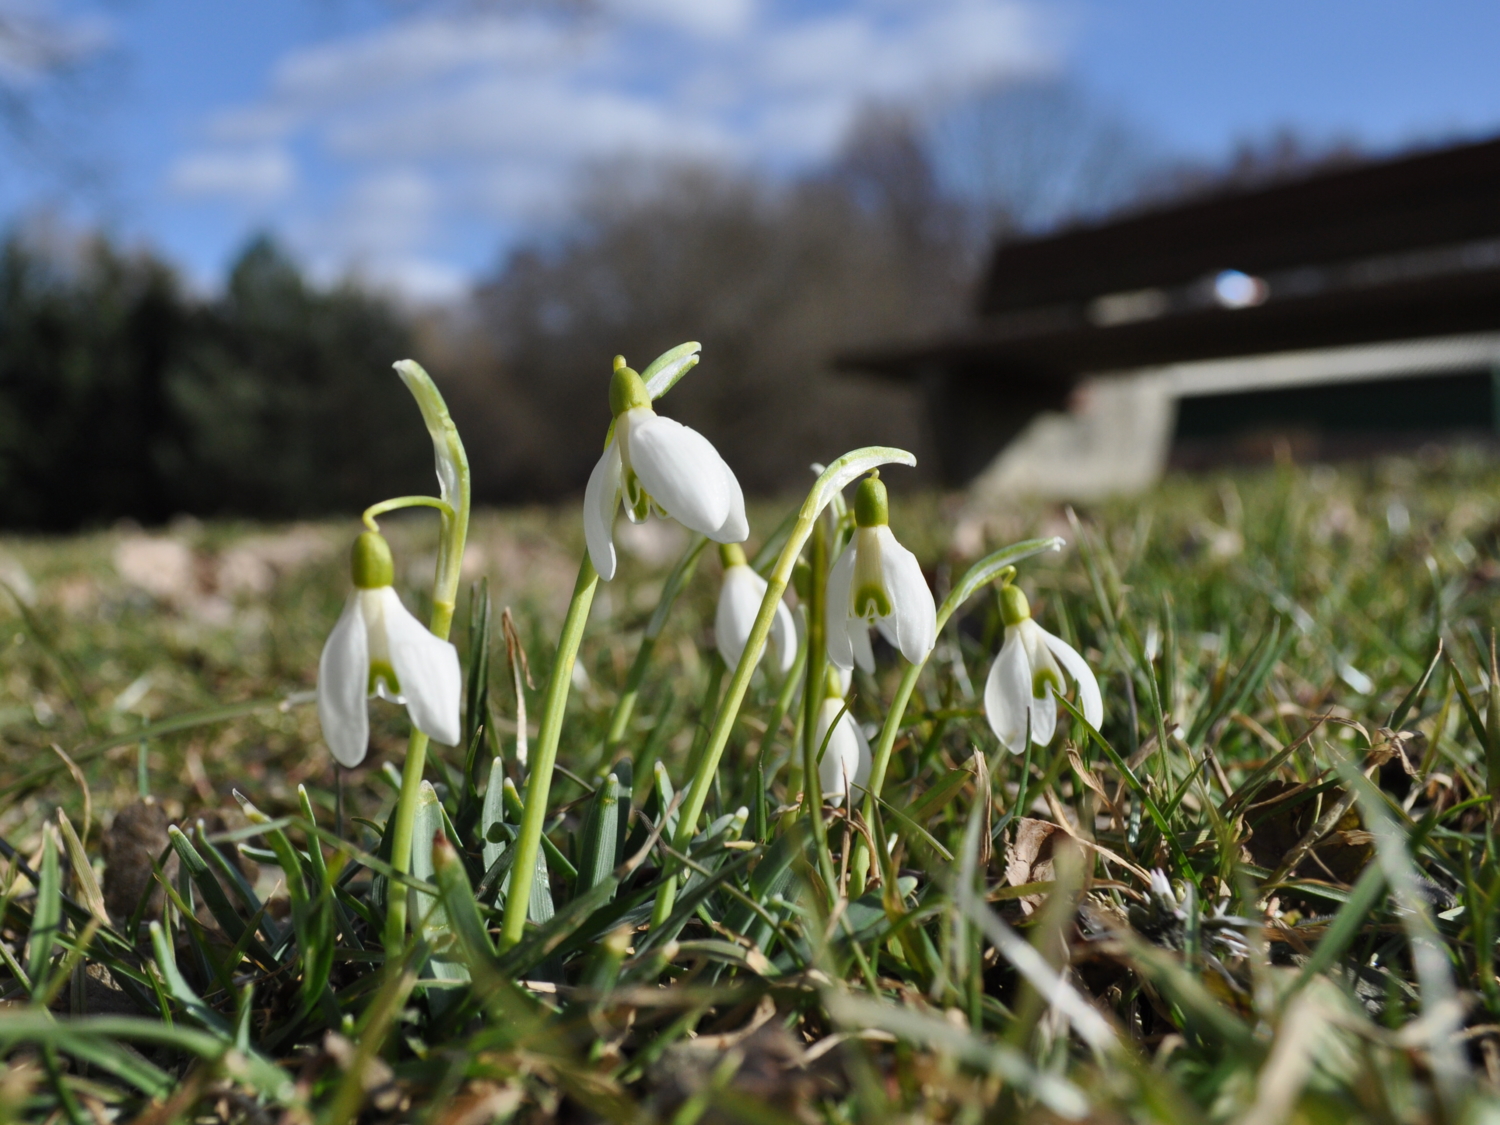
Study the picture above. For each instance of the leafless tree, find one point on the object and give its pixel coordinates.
(1026, 155)
(52, 70)
(773, 280)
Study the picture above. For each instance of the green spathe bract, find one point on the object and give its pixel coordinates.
(453, 482)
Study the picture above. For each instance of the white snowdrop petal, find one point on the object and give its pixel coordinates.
(601, 499)
(862, 769)
(859, 640)
(343, 679)
(1044, 717)
(913, 611)
(736, 526)
(1090, 701)
(427, 667)
(680, 469)
(839, 767)
(837, 623)
(784, 637)
(739, 602)
(1007, 693)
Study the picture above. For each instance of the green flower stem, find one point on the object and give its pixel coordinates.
(814, 691)
(773, 725)
(982, 572)
(401, 838)
(813, 687)
(380, 509)
(716, 670)
(711, 691)
(836, 477)
(539, 781)
(453, 506)
(681, 575)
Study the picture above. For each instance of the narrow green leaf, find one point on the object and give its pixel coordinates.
(600, 836)
(315, 858)
(96, 1050)
(915, 830)
(180, 990)
(1251, 677)
(1409, 700)
(1352, 917)
(46, 916)
(432, 917)
(940, 793)
(492, 813)
(477, 728)
(959, 1045)
(460, 906)
(551, 932)
(83, 871)
(215, 899)
(173, 725)
(550, 850)
(21, 1026)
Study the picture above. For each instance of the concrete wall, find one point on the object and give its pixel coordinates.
(1116, 437)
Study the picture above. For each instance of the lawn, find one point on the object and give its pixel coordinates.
(1265, 889)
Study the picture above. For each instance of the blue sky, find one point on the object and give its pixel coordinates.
(412, 141)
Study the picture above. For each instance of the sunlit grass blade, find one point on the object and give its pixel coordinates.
(601, 836)
(432, 918)
(215, 899)
(46, 915)
(173, 725)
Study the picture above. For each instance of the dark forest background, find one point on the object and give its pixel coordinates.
(125, 394)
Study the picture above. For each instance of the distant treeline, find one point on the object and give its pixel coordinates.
(122, 395)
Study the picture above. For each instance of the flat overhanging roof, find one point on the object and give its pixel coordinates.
(1061, 344)
(1407, 249)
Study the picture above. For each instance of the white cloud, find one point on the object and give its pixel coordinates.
(542, 118)
(421, 281)
(477, 119)
(247, 175)
(415, 51)
(713, 19)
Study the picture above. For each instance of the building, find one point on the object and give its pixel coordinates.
(1344, 313)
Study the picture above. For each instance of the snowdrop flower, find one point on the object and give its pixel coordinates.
(1026, 674)
(739, 604)
(654, 462)
(877, 581)
(845, 765)
(379, 649)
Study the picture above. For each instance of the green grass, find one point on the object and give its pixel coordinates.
(1265, 640)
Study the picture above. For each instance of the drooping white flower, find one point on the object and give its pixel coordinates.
(845, 765)
(378, 648)
(740, 598)
(1025, 677)
(654, 462)
(876, 581)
